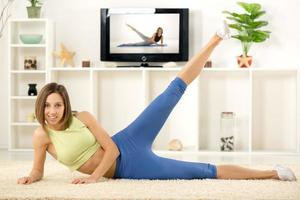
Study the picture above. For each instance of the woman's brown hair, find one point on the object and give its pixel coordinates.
(159, 28)
(41, 101)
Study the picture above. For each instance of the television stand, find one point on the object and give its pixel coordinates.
(142, 65)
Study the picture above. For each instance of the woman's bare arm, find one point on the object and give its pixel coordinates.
(40, 147)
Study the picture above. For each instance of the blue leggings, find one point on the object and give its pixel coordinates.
(137, 161)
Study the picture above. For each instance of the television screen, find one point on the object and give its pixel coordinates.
(144, 35)
(147, 33)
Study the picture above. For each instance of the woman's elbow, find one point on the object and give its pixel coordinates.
(115, 150)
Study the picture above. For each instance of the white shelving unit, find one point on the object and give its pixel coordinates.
(266, 101)
(20, 104)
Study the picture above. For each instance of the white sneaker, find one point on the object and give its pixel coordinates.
(224, 31)
(285, 173)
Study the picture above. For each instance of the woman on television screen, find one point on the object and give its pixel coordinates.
(147, 41)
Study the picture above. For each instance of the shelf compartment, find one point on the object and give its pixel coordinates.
(224, 91)
(274, 122)
(20, 110)
(23, 27)
(20, 82)
(181, 123)
(118, 98)
(21, 137)
(18, 56)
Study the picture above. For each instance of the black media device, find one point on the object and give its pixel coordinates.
(124, 34)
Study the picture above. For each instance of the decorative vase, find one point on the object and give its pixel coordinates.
(34, 12)
(32, 89)
(227, 131)
(244, 61)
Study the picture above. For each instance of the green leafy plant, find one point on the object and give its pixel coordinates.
(35, 3)
(247, 26)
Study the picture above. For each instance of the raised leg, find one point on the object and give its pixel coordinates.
(147, 125)
(144, 37)
(194, 66)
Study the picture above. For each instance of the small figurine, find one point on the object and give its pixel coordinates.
(30, 63)
(65, 56)
(175, 145)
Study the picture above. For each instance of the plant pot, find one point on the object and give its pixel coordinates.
(34, 12)
(244, 61)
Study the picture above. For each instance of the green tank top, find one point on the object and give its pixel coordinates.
(75, 145)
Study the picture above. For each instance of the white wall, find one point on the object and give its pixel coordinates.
(77, 26)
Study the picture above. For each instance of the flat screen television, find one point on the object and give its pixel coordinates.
(144, 35)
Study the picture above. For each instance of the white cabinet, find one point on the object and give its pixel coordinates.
(21, 105)
(224, 91)
(266, 101)
(275, 105)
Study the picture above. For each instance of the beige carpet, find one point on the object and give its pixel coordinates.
(56, 185)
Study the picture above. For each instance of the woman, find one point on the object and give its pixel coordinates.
(80, 142)
(147, 41)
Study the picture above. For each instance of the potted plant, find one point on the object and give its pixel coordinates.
(248, 29)
(34, 11)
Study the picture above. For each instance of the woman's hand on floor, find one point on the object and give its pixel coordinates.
(25, 180)
(85, 180)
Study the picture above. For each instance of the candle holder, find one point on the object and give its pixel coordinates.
(32, 89)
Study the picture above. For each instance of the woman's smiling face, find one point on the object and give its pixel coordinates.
(54, 110)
